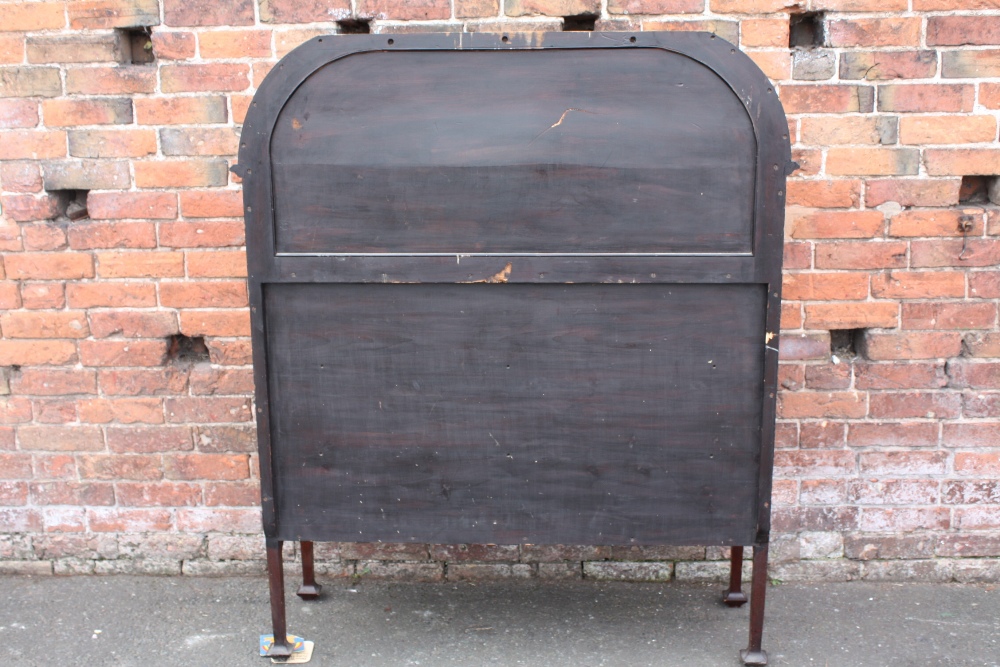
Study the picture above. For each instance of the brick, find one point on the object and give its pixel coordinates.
(892, 491)
(832, 130)
(55, 466)
(966, 5)
(110, 80)
(727, 30)
(804, 346)
(949, 315)
(284, 41)
(860, 5)
(963, 30)
(67, 113)
(962, 161)
(899, 376)
(893, 434)
(974, 374)
(111, 295)
(308, 11)
(926, 98)
(123, 353)
(30, 81)
(54, 382)
(121, 411)
(937, 222)
(881, 32)
(218, 294)
(53, 411)
(814, 463)
(912, 192)
(903, 520)
(62, 438)
(235, 44)
(751, 6)
(207, 380)
(841, 193)
(931, 345)
(79, 48)
(215, 323)
(20, 520)
(181, 110)
(963, 253)
(179, 13)
(9, 238)
(824, 286)
(32, 144)
(911, 404)
(872, 161)
(862, 315)
(654, 7)
(763, 32)
(36, 352)
(10, 298)
(112, 143)
(198, 141)
(49, 266)
(211, 203)
(971, 492)
(19, 177)
(117, 466)
(211, 77)
(97, 14)
(825, 224)
(133, 324)
(813, 64)
(232, 494)
(220, 439)
(148, 439)
(888, 65)
(985, 285)
(217, 264)
(66, 324)
(821, 404)
(947, 129)
(206, 466)
(977, 518)
(140, 264)
(30, 17)
(981, 464)
(143, 382)
(873, 546)
(204, 409)
(11, 48)
(432, 9)
(142, 205)
(173, 45)
(821, 98)
(160, 173)
(203, 520)
(85, 175)
(91, 235)
(989, 95)
(797, 255)
(860, 255)
(46, 236)
(18, 114)
(918, 284)
(72, 493)
(202, 234)
(982, 344)
(15, 466)
(121, 520)
(158, 494)
(970, 64)
(27, 208)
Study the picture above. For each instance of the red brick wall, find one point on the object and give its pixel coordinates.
(123, 448)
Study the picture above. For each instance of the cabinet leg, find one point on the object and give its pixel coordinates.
(309, 590)
(276, 583)
(753, 654)
(735, 597)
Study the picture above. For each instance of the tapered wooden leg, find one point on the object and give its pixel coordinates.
(309, 590)
(276, 582)
(735, 597)
(753, 654)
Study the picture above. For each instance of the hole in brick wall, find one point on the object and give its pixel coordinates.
(137, 43)
(354, 26)
(186, 349)
(979, 189)
(580, 23)
(846, 343)
(805, 30)
(70, 204)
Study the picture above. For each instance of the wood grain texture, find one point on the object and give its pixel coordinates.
(577, 151)
(569, 414)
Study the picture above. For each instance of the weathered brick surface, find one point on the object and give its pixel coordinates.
(116, 455)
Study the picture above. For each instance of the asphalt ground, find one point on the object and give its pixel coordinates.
(152, 621)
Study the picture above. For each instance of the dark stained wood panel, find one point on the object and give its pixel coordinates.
(502, 413)
(531, 151)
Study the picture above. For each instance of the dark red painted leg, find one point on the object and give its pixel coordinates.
(735, 597)
(276, 582)
(753, 654)
(309, 590)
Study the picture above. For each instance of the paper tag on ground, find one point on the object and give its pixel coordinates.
(297, 658)
(267, 641)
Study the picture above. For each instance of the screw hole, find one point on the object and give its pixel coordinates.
(320, 39)
(732, 50)
(505, 39)
(712, 36)
(632, 39)
(391, 42)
